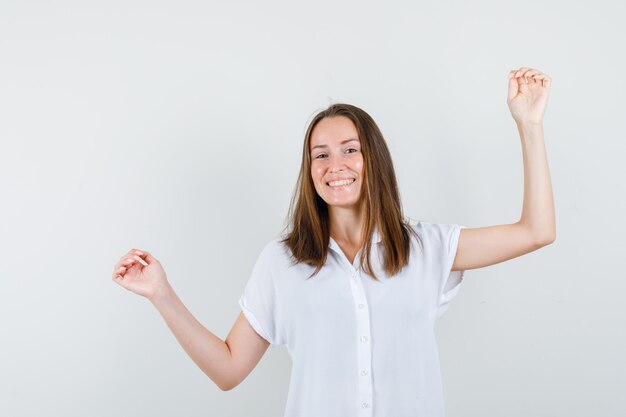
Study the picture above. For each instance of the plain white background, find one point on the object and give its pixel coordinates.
(177, 127)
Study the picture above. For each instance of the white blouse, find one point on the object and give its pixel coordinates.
(359, 347)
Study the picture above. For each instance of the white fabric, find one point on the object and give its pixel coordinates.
(360, 347)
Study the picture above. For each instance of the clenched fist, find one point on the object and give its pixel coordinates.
(146, 280)
(528, 95)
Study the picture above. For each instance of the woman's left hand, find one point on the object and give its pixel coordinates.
(528, 95)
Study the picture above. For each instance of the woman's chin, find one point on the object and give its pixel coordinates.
(343, 204)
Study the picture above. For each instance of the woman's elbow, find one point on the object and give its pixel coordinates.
(227, 385)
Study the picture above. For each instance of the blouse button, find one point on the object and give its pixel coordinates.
(361, 305)
(363, 338)
(364, 372)
(365, 405)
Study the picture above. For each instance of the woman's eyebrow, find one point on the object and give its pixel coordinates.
(326, 146)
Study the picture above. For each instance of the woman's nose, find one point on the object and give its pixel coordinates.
(336, 168)
(336, 164)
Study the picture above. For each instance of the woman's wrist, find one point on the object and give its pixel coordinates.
(527, 125)
(161, 294)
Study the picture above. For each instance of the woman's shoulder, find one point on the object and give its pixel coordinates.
(428, 225)
(420, 226)
(434, 231)
(274, 249)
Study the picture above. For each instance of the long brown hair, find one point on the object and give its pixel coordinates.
(309, 236)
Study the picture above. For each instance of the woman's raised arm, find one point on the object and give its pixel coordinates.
(483, 246)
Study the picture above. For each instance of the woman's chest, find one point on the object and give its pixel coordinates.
(334, 305)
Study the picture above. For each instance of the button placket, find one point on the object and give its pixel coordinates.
(364, 350)
(363, 345)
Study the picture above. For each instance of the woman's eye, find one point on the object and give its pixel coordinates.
(323, 154)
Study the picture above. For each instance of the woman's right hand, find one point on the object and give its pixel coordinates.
(134, 276)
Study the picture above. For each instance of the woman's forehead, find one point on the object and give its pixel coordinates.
(333, 130)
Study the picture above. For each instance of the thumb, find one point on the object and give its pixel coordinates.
(147, 256)
(513, 88)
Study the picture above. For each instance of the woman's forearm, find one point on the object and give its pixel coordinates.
(207, 350)
(538, 207)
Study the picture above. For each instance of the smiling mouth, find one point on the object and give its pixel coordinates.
(341, 184)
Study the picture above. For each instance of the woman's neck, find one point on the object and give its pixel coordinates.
(347, 225)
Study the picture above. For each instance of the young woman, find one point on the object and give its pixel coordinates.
(353, 290)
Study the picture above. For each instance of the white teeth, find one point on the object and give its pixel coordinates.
(343, 182)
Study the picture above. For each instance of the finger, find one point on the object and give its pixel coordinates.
(522, 77)
(131, 252)
(542, 79)
(117, 266)
(543, 76)
(512, 91)
(119, 280)
(521, 71)
(140, 260)
(529, 76)
(531, 72)
(522, 85)
(117, 274)
(128, 261)
(143, 255)
(147, 256)
(119, 269)
(136, 258)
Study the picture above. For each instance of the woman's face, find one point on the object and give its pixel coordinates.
(336, 156)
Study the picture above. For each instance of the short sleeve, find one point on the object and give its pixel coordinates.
(450, 281)
(259, 299)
